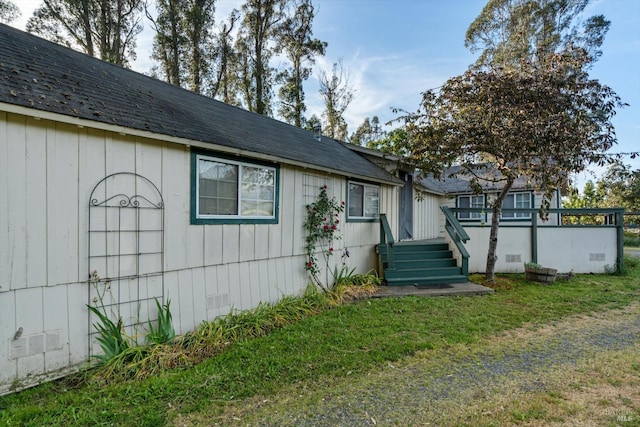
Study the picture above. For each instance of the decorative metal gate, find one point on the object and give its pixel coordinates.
(125, 252)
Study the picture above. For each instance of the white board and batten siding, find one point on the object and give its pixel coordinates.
(47, 173)
(426, 216)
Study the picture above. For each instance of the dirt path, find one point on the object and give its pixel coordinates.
(581, 371)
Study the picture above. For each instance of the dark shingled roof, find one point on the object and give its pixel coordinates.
(460, 184)
(38, 74)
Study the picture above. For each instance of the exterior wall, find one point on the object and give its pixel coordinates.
(576, 249)
(426, 217)
(47, 173)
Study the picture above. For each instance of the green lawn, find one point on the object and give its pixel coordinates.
(353, 338)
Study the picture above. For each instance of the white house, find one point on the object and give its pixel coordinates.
(117, 189)
(120, 188)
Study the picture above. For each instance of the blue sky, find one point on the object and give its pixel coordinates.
(395, 49)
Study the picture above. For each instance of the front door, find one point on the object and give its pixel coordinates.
(405, 225)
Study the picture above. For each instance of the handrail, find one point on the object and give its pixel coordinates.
(386, 238)
(453, 221)
(613, 217)
(458, 235)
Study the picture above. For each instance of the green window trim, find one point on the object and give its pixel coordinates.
(523, 196)
(365, 198)
(474, 201)
(239, 191)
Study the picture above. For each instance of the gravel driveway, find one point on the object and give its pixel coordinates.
(523, 361)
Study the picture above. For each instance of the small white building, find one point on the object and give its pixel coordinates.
(117, 188)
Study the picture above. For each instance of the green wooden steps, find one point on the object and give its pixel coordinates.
(420, 263)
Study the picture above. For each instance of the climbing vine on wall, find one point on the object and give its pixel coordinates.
(322, 230)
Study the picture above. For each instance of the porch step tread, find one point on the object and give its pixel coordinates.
(418, 255)
(422, 272)
(425, 263)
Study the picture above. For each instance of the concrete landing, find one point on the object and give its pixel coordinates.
(454, 289)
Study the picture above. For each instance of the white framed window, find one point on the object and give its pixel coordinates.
(227, 190)
(475, 201)
(516, 201)
(363, 201)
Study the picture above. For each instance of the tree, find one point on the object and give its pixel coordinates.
(593, 196)
(394, 142)
(101, 28)
(9, 12)
(368, 132)
(509, 31)
(300, 49)
(337, 95)
(169, 40)
(224, 82)
(542, 120)
(183, 36)
(622, 187)
(261, 25)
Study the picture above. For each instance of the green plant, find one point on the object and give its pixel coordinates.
(628, 266)
(111, 336)
(532, 265)
(632, 241)
(342, 276)
(321, 227)
(338, 344)
(165, 331)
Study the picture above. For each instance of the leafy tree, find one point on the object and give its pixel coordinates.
(169, 40)
(394, 142)
(368, 132)
(337, 94)
(9, 12)
(300, 49)
(541, 120)
(593, 196)
(261, 25)
(105, 29)
(312, 123)
(509, 31)
(183, 36)
(224, 82)
(199, 20)
(622, 186)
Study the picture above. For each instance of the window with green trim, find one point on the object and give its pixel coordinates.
(476, 201)
(516, 201)
(363, 201)
(233, 191)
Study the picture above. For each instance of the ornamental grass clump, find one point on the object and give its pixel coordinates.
(321, 226)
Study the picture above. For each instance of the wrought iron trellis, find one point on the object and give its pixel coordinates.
(125, 251)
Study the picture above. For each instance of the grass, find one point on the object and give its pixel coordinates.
(350, 339)
(631, 239)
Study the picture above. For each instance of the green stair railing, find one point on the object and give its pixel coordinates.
(386, 238)
(458, 235)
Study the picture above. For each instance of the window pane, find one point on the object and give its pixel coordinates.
(508, 204)
(477, 201)
(218, 188)
(371, 202)
(258, 191)
(523, 200)
(356, 197)
(464, 202)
